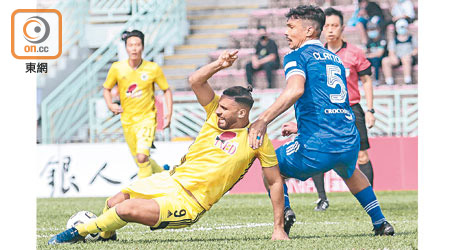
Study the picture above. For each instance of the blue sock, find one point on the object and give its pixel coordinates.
(287, 204)
(369, 202)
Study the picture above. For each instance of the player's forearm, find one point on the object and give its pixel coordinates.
(108, 97)
(268, 58)
(277, 199)
(379, 53)
(201, 76)
(368, 90)
(254, 59)
(169, 101)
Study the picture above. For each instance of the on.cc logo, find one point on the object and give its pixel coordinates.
(36, 30)
(36, 34)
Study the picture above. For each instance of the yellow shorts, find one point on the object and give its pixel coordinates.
(140, 136)
(177, 208)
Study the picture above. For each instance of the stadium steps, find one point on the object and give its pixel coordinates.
(220, 39)
(210, 23)
(213, 28)
(232, 18)
(221, 8)
(195, 48)
(178, 69)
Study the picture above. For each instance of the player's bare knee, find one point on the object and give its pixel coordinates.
(406, 60)
(141, 158)
(116, 199)
(363, 157)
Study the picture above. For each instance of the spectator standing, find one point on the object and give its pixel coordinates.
(403, 9)
(265, 58)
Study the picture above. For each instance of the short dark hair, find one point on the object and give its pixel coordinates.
(334, 12)
(124, 35)
(240, 95)
(309, 12)
(137, 33)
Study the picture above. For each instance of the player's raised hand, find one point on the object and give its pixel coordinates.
(288, 129)
(256, 133)
(227, 58)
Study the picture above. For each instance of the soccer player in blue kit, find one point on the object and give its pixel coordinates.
(327, 135)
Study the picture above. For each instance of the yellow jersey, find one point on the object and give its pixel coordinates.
(218, 159)
(136, 89)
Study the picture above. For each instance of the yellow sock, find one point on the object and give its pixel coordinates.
(108, 221)
(106, 208)
(107, 234)
(155, 167)
(145, 170)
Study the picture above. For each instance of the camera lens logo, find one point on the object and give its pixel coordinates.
(36, 30)
(36, 34)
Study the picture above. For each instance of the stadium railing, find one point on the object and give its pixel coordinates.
(111, 8)
(73, 14)
(65, 110)
(396, 114)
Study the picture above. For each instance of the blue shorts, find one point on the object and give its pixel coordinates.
(297, 162)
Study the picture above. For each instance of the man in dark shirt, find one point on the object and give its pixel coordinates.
(265, 58)
(376, 47)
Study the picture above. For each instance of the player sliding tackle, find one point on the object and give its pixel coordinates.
(328, 138)
(217, 160)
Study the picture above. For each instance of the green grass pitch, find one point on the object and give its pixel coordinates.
(245, 222)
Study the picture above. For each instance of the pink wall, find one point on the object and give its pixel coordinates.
(394, 160)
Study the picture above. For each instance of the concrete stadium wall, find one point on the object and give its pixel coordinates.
(90, 170)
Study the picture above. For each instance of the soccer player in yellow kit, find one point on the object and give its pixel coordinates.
(135, 78)
(215, 162)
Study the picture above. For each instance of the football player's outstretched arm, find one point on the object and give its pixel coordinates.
(199, 79)
(294, 90)
(275, 182)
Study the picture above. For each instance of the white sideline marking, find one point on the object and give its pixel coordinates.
(217, 227)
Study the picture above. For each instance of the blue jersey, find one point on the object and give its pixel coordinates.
(325, 120)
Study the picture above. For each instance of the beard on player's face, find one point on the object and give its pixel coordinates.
(227, 113)
(226, 119)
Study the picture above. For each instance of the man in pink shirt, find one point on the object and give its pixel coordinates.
(356, 67)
